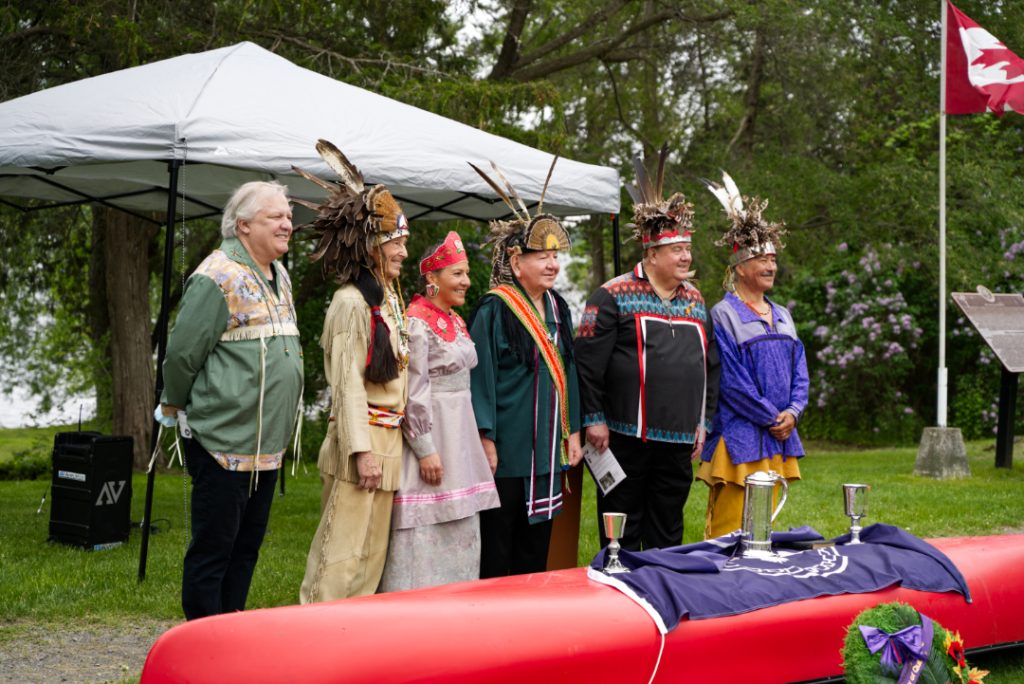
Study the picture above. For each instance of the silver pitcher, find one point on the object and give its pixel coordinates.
(758, 516)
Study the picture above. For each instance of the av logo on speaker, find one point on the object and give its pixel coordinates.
(110, 492)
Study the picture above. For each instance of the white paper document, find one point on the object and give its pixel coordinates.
(606, 470)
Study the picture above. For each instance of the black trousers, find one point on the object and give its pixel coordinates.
(227, 530)
(657, 484)
(509, 544)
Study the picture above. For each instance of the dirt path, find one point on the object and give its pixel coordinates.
(35, 652)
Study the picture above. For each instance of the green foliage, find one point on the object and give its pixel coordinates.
(25, 465)
(45, 332)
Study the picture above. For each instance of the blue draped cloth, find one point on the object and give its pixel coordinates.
(709, 579)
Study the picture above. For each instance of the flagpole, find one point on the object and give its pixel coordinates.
(943, 378)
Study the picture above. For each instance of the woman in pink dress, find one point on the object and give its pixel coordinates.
(446, 478)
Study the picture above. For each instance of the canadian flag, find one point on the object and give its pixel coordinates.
(982, 75)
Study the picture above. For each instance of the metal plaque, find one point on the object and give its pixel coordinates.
(999, 318)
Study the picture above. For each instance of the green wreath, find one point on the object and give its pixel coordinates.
(893, 662)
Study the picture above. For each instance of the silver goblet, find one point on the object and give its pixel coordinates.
(855, 504)
(614, 525)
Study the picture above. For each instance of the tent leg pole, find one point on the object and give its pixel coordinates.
(284, 463)
(616, 244)
(161, 350)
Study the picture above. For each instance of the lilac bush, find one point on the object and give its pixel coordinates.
(862, 347)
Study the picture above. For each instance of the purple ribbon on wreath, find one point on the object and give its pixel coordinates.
(903, 651)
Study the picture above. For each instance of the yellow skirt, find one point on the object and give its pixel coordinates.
(725, 478)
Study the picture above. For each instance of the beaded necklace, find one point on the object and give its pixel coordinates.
(750, 306)
(403, 335)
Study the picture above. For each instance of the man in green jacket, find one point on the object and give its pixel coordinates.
(233, 371)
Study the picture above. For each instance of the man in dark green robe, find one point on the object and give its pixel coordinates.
(515, 407)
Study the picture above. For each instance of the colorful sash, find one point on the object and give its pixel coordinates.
(527, 315)
(385, 418)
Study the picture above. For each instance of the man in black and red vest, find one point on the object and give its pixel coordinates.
(648, 370)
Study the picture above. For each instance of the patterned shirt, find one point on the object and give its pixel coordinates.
(648, 367)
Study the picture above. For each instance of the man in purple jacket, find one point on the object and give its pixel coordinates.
(764, 380)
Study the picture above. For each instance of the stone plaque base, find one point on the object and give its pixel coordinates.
(941, 454)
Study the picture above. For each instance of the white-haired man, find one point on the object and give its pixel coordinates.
(234, 365)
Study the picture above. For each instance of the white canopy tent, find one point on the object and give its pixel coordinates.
(181, 134)
(241, 113)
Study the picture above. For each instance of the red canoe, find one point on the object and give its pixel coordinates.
(561, 627)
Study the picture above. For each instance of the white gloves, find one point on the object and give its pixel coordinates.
(166, 421)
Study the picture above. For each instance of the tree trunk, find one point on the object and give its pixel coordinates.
(99, 321)
(743, 140)
(126, 248)
(509, 54)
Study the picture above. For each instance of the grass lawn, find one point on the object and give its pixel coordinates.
(44, 583)
(36, 440)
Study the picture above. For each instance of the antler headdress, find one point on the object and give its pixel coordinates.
(750, 235)
(521, 233)
(352, 220)
(658, 221)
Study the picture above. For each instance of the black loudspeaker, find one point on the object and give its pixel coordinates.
(91, 489)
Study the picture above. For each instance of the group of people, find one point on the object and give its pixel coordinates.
(447, 443)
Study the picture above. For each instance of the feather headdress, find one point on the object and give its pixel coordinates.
(353, 219)
(658, 221)
(750, 234)
(520, 233)
(350, 223)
